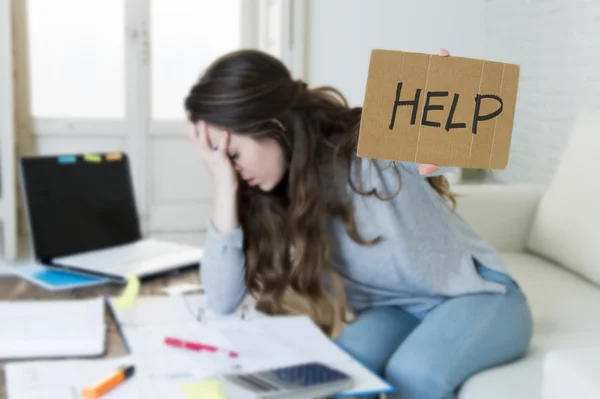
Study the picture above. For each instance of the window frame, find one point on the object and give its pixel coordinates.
(8, 209)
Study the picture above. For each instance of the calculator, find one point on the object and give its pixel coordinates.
(302, 381)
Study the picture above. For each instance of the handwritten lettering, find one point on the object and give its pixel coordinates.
(430, 106)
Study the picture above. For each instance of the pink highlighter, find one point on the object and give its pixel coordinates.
(197, 346)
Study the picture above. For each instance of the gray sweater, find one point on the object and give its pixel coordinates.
(426, 253)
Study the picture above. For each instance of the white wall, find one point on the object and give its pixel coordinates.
(557, 44)
(341, 34)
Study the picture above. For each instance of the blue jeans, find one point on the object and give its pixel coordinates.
(432, 357)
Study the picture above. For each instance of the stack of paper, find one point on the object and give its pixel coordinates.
(76, 327)
(261, 342)
(37, 329)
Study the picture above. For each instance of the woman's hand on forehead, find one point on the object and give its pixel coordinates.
(216, 135)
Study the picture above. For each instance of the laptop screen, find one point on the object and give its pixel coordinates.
(78, 203)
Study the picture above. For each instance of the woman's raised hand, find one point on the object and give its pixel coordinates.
(215, 157)
(223, 174)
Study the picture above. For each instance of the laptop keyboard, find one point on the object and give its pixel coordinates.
(137, 254)
(143, 251)
(138, 257)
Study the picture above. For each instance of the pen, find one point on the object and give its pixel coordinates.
(108, 383)
(196, 346)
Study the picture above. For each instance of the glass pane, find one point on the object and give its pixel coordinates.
(76, 55)
(186, 36)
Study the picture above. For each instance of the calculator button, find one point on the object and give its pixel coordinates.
(307, 375)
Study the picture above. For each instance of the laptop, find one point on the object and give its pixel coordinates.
(82, 217)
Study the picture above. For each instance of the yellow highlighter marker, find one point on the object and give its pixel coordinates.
(109, 383)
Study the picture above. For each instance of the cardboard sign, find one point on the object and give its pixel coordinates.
(446, 111)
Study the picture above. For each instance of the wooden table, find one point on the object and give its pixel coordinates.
(15, 289)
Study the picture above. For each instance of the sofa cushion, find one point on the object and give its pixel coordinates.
(566, 227)
(571, 373)
(565, 316)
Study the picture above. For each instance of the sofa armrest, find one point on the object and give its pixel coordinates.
(502, 213)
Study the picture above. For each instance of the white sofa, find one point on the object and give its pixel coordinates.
(549, 239)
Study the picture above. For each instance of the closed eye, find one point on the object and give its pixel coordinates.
(233, 157)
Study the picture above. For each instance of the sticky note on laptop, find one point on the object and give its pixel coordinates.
(93, 158)
(67, 159)
(114, 156)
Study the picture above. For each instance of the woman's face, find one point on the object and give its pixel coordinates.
(260, 162)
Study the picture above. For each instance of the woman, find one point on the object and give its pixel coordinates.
(296, 211)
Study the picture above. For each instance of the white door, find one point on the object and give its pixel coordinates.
(185, 37)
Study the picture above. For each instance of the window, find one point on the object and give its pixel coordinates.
(113, 75)
(186, 35)
(76, 58)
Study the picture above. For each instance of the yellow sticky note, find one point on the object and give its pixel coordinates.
(129, 294)
(203, 390)
(92, 158)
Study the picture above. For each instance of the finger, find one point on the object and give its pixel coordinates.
(443, 52)
(203, 140)
(203, 135)
(192, 132)
(426, 169)
(224, 143)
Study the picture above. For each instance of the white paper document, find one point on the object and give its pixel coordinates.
(38, 329)
(305, 342)
(176, 309)
(255, 349)
(159, 310)
(66, 379)
(160, 361)
(261, 343)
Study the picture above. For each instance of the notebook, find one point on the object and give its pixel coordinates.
(39, 329)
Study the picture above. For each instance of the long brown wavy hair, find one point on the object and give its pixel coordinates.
(286, 240)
